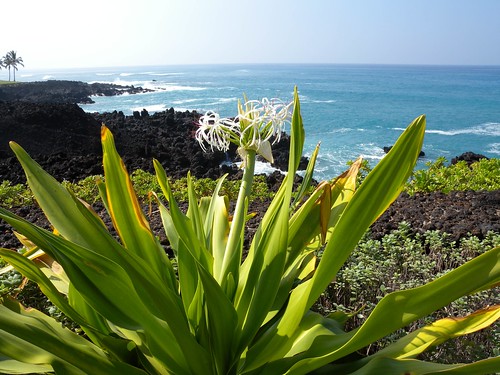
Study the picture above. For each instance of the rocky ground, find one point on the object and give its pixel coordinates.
(65, 141)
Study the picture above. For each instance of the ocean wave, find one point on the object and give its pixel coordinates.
(215, 102)
(185, 101)
(47, 77)
(151, 108)
(488, 128)
(105, 74)
(121, 82)
(371, 151)
(151, 85)
(165, 74)
(169, 88)
(264, 168)
(227, 100)
(339, 131)
(307, 99)
(494, 148)
(126, 74)
(323, 101)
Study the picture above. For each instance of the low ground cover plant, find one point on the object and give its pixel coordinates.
(402, 260)
(211, 309)
(17, 195)
(437, 176)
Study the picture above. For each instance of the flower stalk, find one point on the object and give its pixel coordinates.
(251, 130)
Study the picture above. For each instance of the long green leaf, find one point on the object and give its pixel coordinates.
(219, 222)
(394, 311)
(379, 189)
(305, 224)
(58, 204)
(130, 298)
(221, 322)
(127, 215)
(189, 250)
(32, 272)
(389, 366)
(306, 181)
(32, 337)
(11, 366)
(436, 333)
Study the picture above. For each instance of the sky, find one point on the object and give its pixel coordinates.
(104, 33)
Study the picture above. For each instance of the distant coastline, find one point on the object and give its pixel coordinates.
(62, 91)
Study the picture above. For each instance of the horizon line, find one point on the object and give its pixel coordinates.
(264, 64)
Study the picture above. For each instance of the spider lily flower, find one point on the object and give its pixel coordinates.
(217, 132)
(252, 129)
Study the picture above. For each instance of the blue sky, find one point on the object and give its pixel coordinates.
(98, 33)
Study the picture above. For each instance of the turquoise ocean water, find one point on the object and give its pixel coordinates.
(352, 109)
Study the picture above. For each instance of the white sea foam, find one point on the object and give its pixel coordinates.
(121, 82)
(494, 148)
(181, 88)
(165, 74)
(126, 74)
(47, 77)
(185, 101)
(227, 100)
(371, 152)
(105, 74)
(264, 168)
(339, 131)
(488, 128)
(155, 86)
(151, 108)
(323, 101)
(166, 86)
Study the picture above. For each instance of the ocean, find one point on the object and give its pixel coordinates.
(352, 110)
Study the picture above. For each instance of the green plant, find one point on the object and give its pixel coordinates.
(85, 189)
(402, 260)
(208, 311)
(14, 195)
(481, 175)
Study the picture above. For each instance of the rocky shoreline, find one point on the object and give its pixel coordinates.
(64, 139)
(57, 91)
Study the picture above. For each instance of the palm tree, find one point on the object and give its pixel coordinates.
(6, 63)
(11, 60)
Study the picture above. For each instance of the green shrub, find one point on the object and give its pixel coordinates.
(85, 189)
(403, 260)
(481, 175)
(14, 195)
